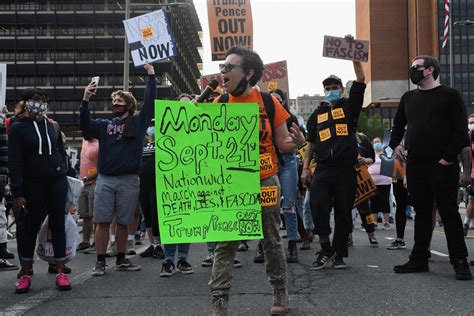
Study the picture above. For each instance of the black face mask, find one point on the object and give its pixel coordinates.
(119, 110)
(416, 75)
(241, 87)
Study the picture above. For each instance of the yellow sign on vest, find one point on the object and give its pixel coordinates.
(338, 114)
(325, 134)
(323, 117)
(341, 130)
(268, 196)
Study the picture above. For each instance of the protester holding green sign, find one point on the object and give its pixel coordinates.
(240, 72)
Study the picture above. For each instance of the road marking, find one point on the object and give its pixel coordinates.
(370, 266)
(439, 253)
(389, 238)
(31, 302)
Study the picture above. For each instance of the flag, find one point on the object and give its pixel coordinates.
(446, 23)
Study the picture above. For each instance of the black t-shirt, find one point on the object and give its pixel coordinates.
(435, 122)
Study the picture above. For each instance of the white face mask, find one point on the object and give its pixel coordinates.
(471, 126)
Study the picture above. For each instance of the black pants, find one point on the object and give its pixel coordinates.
(147, 199)
(428, 182)
(333, 187)
(366, 217)
(401, 198)
(43, 197)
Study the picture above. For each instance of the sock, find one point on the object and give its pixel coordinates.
(326, 246)
(466, 220)
(112, 238)
(120, 256)
(131, 237)
(101, 258)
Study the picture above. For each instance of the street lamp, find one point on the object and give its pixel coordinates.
(464, 23)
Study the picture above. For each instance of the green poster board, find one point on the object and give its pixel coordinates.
(207, 171)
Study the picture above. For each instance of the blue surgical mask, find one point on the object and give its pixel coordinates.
(378, 147)
(333, 95)
(151, 131)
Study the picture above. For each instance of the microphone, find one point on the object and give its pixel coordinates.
(209, 89)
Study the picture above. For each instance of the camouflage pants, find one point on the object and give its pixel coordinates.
(275, 261)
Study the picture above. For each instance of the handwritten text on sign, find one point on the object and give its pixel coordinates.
(207, 171)
(365, 185)
(230, 25)
(346, 48)
(149, 37)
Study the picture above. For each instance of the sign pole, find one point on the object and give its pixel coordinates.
(126, 53)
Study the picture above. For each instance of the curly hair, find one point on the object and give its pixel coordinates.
(129, 99)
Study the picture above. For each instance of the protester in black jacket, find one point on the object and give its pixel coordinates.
(38, 184)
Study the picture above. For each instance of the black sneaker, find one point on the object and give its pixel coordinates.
(323, 259)
(339, 263)
(397, 244)
(99, 268)
(412, 267)
(461, 267)
(390, 220)
(472, 263)
(5, 254)
(158, 253)
(237, 263)
(373, 241)
(243, 246)
(126, 265)
(148, 252)
(209, 261)
(466, 229)
(259, 258)
(6, 266)
(184, 267)
(167, 269)
(83, 246)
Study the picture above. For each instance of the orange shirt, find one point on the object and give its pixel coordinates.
(268, 156)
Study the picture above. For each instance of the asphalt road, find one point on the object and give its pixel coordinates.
(367, 287)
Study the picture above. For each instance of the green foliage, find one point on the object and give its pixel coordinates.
(371, 126)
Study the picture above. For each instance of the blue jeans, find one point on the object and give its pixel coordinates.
(211, 246)
(288, 174)
(170, 251)
(307, 216)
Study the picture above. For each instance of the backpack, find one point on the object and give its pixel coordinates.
(270, 110)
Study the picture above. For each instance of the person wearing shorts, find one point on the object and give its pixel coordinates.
(88, 174)
(120, 155)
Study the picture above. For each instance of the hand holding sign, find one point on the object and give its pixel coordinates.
(149, 68)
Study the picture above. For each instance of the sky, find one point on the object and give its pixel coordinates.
(293, 30)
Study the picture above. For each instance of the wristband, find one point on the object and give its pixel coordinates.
(304, 144)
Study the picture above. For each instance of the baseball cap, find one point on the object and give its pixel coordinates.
(332, 78)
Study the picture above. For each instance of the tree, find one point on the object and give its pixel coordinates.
(371, 126)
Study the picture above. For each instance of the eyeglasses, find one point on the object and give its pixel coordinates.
(228, 67)
(416, 67)
(331, 88)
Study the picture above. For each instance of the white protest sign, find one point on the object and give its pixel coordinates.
(346, 48)
(3, 84)
(149, 37)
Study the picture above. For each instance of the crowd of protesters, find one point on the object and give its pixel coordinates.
(431, 138)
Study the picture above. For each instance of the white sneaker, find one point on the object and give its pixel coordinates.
(130, 248)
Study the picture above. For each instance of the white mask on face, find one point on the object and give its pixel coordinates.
(471, 126)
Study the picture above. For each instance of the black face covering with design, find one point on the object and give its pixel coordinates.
(119, 109)
(241, 87)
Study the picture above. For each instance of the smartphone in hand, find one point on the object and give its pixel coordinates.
(96, 81)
